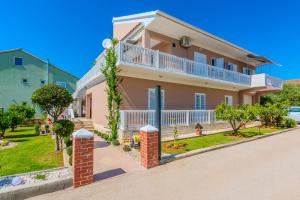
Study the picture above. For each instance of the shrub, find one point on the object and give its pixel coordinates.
(4, 123)
(126, 148)
(272, 114)
(116, 142)
(68, 141)
(37, 129)
(70, 150)
(236, 115)
(198, 126)
(15, 119)
(288, 123)
(70, 160)
(63, 128)
(27, 111)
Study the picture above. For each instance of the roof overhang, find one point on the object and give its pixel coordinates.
(165, 24)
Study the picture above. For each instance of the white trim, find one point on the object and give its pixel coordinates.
(200, 103)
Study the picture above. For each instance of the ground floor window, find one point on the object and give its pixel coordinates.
(200, 101)
(152, 99)
(228, 100)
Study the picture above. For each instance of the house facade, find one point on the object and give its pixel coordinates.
(196, 70)
(21, 73)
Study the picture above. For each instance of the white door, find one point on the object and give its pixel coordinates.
(152, 99)
(200, 57)
(248, 99)
(219, 62)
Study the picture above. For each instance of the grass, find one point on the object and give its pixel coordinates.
(190, 144)
(40, 177)
(32, 153)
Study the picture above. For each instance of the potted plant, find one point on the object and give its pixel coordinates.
(136, 140)
(198, 129)
(47, 128)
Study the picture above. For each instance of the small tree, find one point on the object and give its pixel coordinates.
(114, 98)
(175, 131)
(63, 128)
(28, 111)
(54, 100)
(272, 114)
(4, 123)
(16, 119)
(236, 115)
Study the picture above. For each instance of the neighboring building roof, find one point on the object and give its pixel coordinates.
(20, 49)
(164, 23)
(292, 81)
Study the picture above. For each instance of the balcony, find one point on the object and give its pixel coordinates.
(148, 58)
(142, 58)
(266, 81)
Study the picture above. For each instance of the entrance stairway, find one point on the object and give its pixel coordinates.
(83, 123)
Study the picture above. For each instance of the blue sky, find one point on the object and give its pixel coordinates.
(70, 32)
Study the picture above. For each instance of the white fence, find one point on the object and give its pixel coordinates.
(150, 58)
(134, 119)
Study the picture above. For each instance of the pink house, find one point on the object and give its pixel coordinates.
(195, 69)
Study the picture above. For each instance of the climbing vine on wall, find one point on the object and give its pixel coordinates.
(114, 97)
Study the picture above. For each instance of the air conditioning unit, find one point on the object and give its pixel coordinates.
(185, 41)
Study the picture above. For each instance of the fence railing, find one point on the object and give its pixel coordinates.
(273, 81)
(150, 58)
(135, 119)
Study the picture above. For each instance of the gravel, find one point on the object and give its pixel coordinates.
(30, 178)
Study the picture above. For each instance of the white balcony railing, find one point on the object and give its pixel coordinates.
(264, 80)
(135, 119)
(143, 57)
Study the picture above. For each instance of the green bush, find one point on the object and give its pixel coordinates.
(16, 118)
(70, 160)
(272, 114)
(63, 128)
(27, 111)
(126, 148)
(70, 150)
(68, 141)
(4, 123)
(288, 123)
(37, 129)
(116, 142)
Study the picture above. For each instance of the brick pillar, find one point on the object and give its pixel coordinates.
(83, 157)
(149, 146)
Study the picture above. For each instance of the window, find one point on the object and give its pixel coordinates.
(228, 100)
(247, 71)
(25, 81)
(217, 62)
(24, 103)
(200, 101)
(18, 61)
(232, 67)
(43, 82)
(200, 57)
(61, 84)
(213, 62)
(152, 99)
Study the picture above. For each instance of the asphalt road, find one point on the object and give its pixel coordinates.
(263, 169)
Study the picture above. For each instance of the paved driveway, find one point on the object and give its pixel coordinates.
(262, 169)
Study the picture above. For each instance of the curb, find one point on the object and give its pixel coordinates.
(171, 158)
(31, 190)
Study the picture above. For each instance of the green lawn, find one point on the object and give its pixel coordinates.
(31, 154)
(212, 140)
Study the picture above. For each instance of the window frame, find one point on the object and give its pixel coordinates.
(250, 70)
(18, 57)
(200, 103)
(59, 83)
(163, 98)
(228, 96)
